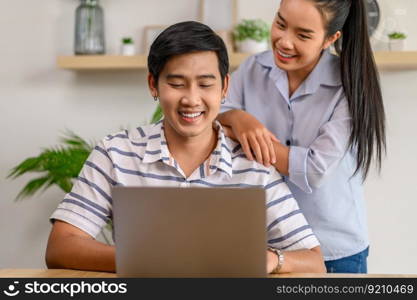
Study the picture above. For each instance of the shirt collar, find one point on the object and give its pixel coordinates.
(326, 72)
(221, 157)
(157, 150)
(156, 145)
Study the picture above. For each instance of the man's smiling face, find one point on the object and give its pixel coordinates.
(190, 91)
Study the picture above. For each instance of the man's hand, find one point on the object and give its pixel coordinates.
(271, 261)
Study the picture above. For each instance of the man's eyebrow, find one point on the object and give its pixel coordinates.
(178, 76)
(298, 28)
(206, 76)
(175, 76)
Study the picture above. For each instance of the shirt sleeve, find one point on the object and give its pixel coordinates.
(287, 228)
(309, 167)
(88, 205)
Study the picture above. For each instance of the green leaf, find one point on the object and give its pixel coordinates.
(32, 187)
(58, 165)
(71, 139)
(65, 184)
(157, 115)
(256, 29)
(397, 36)
(31, 164)
(127, 40)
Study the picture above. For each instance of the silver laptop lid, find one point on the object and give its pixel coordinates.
(189, 232)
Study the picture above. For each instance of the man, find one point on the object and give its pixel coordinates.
(188, 73)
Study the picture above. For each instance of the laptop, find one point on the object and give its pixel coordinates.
(189, 232)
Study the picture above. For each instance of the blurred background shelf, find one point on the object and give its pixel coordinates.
(397, 60)
(403, 60)
(119, 62)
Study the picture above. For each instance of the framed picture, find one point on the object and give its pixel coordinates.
(220, 15)
(151, 32)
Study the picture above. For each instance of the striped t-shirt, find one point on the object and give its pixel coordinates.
(141, 157)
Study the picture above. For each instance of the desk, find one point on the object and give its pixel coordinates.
(58, 273)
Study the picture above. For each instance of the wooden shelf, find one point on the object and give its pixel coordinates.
(401, 60)
(119, 62)
(102, 62)
(404, 60)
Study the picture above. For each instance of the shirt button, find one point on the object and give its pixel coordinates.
(288, 143)
(289, 107)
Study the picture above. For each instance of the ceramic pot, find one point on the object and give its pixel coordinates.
(396, 45)
(251, 46)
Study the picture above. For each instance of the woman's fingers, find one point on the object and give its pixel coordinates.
(271, 150)
(259, 145)
(265, 150)
(229, 132)
(256, 148)
(246, 147)
(273, 137)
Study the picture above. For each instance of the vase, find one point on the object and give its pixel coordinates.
(127, 49)
(396, 45)
(89, 28)
(251, 46)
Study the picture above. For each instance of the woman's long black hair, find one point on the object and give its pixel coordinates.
(359, 77)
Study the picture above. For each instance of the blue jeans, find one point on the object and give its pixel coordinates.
(351, 264)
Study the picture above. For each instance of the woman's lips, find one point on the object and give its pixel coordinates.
(284, 56)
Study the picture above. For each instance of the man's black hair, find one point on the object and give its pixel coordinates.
(182, 38)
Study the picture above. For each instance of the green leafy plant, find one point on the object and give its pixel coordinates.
(257, 30)
(60, 165)
(157, 115)
(57, 165)
(127, 40)
(397, 36)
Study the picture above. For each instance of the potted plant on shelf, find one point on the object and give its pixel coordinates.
(251, 36)
(60, 166)
(396, 41)
(127, 47)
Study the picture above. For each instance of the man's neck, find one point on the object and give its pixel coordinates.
(190, 152)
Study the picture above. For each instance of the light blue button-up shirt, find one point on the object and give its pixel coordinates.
(315, 123)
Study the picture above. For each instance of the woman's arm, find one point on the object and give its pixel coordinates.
(251, 134)
(307, 166)
(71, 248)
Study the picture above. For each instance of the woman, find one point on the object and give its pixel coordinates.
(318, 118)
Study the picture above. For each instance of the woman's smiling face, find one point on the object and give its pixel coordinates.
(298, 35)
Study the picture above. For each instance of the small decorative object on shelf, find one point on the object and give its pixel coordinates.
(396, 41)
(251, 36)
(89, 28)
(128, 47)
(151, 32)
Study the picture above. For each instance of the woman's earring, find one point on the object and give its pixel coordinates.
(155, 98)
(223, 101)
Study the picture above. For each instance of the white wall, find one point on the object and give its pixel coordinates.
(38, 101)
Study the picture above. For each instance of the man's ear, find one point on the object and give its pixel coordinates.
(152, 85)
(225, 85)
(331, 40)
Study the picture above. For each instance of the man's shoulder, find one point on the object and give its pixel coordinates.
(137, 135)
(241, 162)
